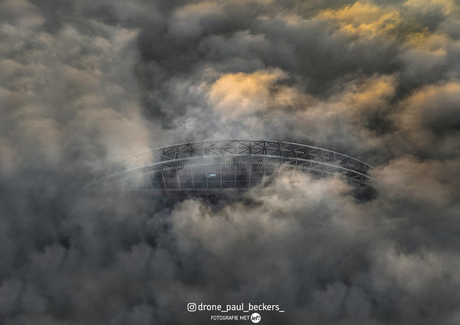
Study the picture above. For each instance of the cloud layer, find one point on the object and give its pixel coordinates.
(84, 82)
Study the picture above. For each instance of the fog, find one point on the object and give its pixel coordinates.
(85, 82)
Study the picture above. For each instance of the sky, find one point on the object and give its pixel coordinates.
(85, 82)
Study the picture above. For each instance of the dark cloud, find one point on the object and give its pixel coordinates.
(84, 82)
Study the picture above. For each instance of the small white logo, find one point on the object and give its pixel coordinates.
(191, 307)
(255, 318)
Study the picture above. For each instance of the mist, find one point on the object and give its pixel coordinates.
(85, 82)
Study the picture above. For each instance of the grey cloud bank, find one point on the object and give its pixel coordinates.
(83, 82)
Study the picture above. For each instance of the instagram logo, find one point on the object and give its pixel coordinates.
(191, 307)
